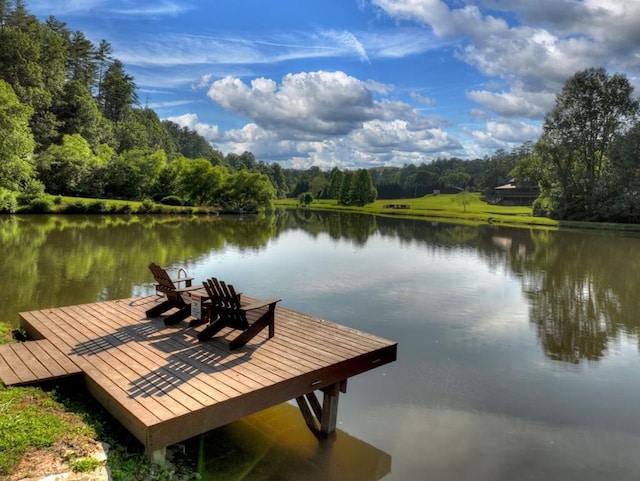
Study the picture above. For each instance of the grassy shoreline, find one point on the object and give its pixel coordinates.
(448, 208)
(442, 207)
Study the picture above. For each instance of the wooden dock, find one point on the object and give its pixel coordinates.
(165, 387)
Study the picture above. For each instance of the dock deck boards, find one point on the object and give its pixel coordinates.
(165, 386)
(29, 362)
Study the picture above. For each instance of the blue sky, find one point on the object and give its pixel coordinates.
(358, 83)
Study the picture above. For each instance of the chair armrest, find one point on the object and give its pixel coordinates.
(259, 304)
(189, 288)
(182, 279)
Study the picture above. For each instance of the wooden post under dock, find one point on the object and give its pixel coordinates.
(165, 386)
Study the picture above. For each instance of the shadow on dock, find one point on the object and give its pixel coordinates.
(175, 350)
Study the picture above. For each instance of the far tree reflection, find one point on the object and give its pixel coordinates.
(580, 286)
(581, 292)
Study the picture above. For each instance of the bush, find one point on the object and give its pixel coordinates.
(40, 206)
(123, 209)
(97, 207)
(171, 200)
(146, 207)
(32, 190)
(77, 207)
(8, 201)
(305, 199)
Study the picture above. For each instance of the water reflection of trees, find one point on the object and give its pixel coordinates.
(56, 260)
(356, 228)
(579, 285)
(582, 295)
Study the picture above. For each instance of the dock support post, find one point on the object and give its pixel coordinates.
(159, 456)
(322, 419)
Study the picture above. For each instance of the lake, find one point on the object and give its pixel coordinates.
(518, 349)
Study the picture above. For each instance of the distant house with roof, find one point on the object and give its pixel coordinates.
(515, 193)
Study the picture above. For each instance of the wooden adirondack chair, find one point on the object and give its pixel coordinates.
(225, 308)
(175, 293)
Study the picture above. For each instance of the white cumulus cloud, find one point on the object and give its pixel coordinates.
(545, 43)
(303, 105)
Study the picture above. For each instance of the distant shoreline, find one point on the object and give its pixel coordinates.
(477, 213)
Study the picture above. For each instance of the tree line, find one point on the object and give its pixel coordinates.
(71, 124)
(586, 163)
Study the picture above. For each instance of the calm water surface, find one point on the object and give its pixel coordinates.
(518, 349)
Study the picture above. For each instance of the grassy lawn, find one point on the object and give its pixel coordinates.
(53, 429)
(443, 206)
(448, 207)
(31, 422)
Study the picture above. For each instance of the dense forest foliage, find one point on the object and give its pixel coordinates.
(71, 124)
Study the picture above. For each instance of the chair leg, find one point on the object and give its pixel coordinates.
(159, 309)
(256, 327)
(177, 317)
(211, 330)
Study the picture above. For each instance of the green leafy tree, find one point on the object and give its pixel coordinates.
(16, 147)
(197, 181)
(20, 18)
(191, 144)
(103, 56)
(78, 113)
(305, 199)
(32, 60)
(246, 160)
(592, 108)
(336, 177)
(130, 133)
(422, 182)
(362, 190)
(249, 191)
(20, 67)
(624, 178)
(345, 188)
(67, 168)
(278, 179)
(142, 129)
(156, 136)
(317, 184)
(455, 179)
(302, 186)
(5, 10)
(118, 92)
(138, 172)
(464, 198)
(58, 27)
(81, 64)
(44, 123)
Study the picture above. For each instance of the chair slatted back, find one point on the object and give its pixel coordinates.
(163, 280)
(226, 302)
